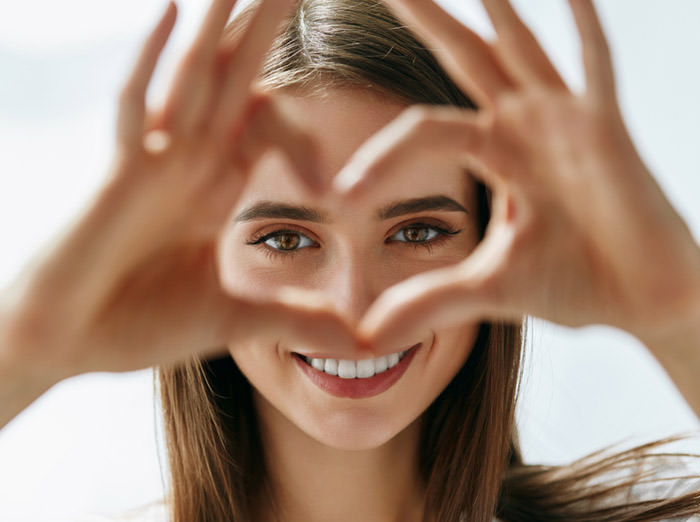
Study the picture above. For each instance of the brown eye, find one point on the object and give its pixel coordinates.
(416, 234)
(421, 234)
(286, 241)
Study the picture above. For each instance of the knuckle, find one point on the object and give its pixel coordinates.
(421, 121)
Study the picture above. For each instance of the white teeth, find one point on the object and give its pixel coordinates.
(365, 368)
(362, 369)
(393, 359)
(331, 367)
(346, 369)
(381, 364)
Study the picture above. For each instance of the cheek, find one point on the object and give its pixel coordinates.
(246, 271)
(258, 363)
(242, 272)
(262, 365)
(231, 263)
(292, 402)
(451, 351)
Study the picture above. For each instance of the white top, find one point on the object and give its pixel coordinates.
(157, 512)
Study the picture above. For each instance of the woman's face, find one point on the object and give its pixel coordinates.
(281, 236)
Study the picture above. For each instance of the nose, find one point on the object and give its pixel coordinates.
(351, 284)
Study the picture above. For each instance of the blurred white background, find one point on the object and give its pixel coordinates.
(89, 444)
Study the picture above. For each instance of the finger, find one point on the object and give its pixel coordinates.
(600, 77)
(443, 298)
(207, 40)
(520, 52)
(299, 323)
(434, 300)
(193, 85)
(273, 126)
(468, 59)
(269, 128)
(245, 62)
(132, 102)
(420, 137)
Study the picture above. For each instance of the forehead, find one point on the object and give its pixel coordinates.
(341, 121)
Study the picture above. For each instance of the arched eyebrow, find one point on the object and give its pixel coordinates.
(413, 206)
(276, 210)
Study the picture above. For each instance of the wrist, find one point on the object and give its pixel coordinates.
(677, 338)
(677, 349)
(19, 384)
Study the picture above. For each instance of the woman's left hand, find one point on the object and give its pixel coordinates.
(580, 232)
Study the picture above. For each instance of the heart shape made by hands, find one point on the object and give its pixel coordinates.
(579, 231)
(570, 238)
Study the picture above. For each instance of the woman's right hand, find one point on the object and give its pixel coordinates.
(134, 282)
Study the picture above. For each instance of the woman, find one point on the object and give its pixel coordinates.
(336, 399)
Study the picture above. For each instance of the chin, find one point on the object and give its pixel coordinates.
(355, 429)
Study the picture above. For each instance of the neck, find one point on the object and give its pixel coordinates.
(312, 482)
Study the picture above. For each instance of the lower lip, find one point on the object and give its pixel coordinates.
(357, 388)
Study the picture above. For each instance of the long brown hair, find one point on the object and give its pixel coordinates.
(470, 458)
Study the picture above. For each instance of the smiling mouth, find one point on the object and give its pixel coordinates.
(356, 379)
(363, 369)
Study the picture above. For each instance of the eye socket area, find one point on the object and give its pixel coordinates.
(288, 240)
(418, 233)
(415, 234)
(285, 240)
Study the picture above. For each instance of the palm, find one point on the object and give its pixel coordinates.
(160, 311)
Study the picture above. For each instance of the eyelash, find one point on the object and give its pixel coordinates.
(444, 232)
(273, 252)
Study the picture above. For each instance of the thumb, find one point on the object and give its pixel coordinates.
(273, 124)
(296, 322)
(473, 290)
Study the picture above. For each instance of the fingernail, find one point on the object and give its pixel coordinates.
(345, 181)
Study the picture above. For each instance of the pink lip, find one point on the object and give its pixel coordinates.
(357, 388)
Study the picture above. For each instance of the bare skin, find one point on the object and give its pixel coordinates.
(134, 282)
(337, 458)
(581, 233)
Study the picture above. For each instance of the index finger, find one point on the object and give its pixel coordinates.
(520, 50)
(600, 77)
(207, 40)
(247, 54)
(192, 85)
(132, 101)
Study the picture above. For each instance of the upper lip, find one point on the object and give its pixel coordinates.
(337, 356)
